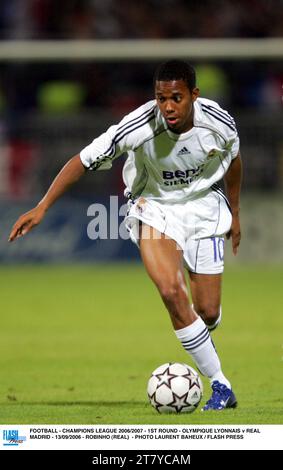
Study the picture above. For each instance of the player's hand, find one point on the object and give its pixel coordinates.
(235, 233)
(26, 222)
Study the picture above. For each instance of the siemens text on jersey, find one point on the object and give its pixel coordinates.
(172, 178)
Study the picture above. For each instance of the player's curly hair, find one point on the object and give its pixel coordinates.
(176, 70)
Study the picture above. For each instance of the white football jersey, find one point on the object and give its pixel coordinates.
(162, 165)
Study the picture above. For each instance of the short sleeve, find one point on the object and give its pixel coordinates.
(235, 146)
(120, 138)
(100, 153)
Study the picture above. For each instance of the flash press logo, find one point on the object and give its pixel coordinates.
(11, 437)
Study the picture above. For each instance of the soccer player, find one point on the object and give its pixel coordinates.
(179, 147)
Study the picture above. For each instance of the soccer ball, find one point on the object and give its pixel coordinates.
(175, 388)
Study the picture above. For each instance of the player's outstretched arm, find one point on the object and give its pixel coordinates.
(233, 180)
(70, 173)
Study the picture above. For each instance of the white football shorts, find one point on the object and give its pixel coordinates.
(198, 226)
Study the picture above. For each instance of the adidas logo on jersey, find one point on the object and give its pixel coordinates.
(183, 151)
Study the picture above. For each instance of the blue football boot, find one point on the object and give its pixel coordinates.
(222, 397)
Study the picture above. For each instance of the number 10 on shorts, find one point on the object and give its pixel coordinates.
(218, 248)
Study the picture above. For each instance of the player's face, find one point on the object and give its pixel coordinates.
(175, 102)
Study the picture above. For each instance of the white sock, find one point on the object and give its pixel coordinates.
(221, 378)
(196, 340)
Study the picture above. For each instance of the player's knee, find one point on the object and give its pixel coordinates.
(209, 313)
(172, 290)
(168, 292)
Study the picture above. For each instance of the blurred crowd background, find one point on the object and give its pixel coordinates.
(118, 19)
(49, 111)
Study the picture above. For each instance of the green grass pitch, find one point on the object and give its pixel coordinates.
(78, 343)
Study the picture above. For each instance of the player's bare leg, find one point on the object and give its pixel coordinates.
(206, 297)
(164, 264)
